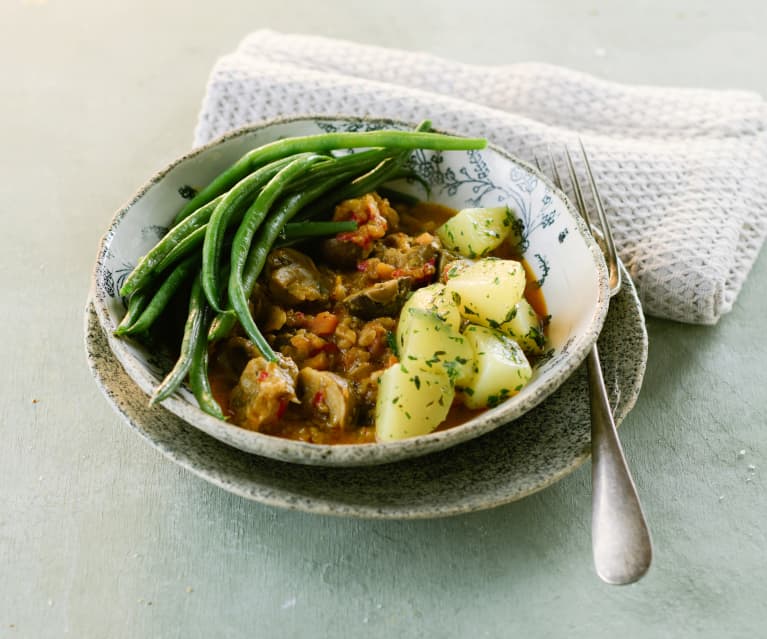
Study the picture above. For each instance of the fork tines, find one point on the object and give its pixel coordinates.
(604, 238)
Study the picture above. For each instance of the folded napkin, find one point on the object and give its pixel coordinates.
(682, 172)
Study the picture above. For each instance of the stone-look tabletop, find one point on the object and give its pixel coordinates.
(101, 536)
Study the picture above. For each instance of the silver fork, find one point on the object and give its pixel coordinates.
(620, 538)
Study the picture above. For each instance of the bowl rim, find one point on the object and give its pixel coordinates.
(346, 454)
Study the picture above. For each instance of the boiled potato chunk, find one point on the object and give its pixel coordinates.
(475, 232)
(411, 402)
(525, 328)
(500, 368)
(487, 292)
(434, 298)
(427, 343)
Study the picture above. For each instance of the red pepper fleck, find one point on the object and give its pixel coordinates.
(362, 266)
(282, 408)
(262, 376)
(317, 399)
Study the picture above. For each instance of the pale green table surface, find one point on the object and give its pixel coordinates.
(100, 536)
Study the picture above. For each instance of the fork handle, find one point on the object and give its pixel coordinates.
(621, 541)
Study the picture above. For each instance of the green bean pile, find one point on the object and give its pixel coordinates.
(281, 192)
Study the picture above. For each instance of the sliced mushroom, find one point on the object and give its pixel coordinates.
(341, 253)
(264, 391)
(327, 396)
(293, 278)
(382, 299)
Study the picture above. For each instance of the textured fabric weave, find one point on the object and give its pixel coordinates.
(682, 172)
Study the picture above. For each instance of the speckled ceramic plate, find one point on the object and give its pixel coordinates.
(507, 464)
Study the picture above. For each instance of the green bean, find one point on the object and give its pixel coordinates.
(320, 143)
(222, 325)
(242, 244)
(301, 230)
(194, 334)
(183, 248)
(371, 181)
(425, 125)
(383, 172)
(198, 371)
(147, 267)
(163, 295)
(352, 163)
(136, 305)
(225, 214)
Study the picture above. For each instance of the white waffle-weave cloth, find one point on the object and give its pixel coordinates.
(682, 172)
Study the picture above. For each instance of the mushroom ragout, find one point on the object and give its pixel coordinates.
(329, 309)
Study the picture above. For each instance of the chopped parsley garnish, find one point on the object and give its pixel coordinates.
(538, 337)
(510, 315)
(392, 342)
(494, 400)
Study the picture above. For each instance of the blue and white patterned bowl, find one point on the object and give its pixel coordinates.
(558, 247)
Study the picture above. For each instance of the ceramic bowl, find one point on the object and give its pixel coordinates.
(565, 259)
